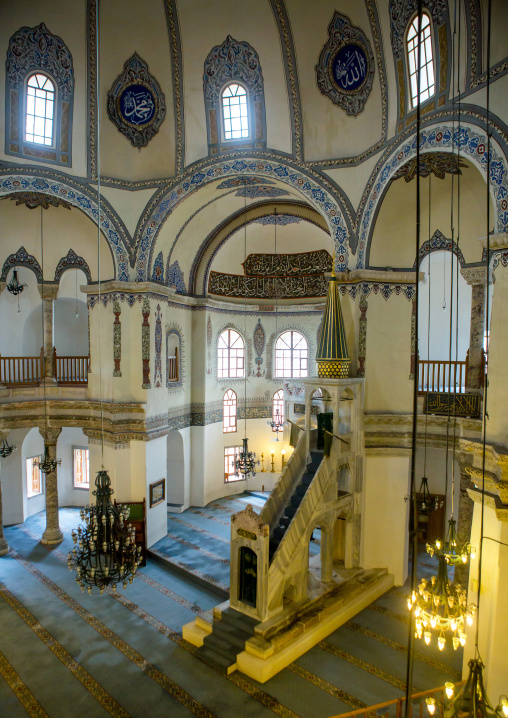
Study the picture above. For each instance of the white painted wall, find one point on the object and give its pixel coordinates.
(385, 515)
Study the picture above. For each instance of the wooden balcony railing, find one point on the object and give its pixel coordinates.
(441, 375)
(396, 707)
(71, 370)
(173, 367)
(27, 371)
(20, 371)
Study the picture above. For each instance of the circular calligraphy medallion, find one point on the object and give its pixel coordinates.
(349, 67)
(136, 105)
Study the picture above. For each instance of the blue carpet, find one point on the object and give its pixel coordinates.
(63, 653)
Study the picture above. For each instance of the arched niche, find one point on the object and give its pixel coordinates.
(175, 469)
(435, 307)
(345, 412)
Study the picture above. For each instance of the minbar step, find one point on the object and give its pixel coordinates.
(227, 639)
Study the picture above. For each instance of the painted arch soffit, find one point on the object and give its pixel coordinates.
(83, 198)
(335, 210)
(200, 270)
(470, 140)
(288, 212)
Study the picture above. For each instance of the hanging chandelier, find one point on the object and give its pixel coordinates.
(450, 549)
(425, 502)
(276, 423)
(246, 461)
(471, 700)
(14, 287)
(105, 553)
(442, 606)
(47, 465)
(6, 449)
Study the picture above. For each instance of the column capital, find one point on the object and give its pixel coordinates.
(50, 434)
(497, 240)
(475, 275)
(48, 290)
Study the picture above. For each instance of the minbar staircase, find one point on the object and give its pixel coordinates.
(295, 501)
(227, 639)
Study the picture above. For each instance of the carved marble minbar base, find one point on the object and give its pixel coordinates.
(279, 641)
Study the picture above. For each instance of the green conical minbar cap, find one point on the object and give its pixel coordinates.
(332, 355)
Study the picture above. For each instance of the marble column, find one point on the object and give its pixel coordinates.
(464, 520)
(52, 533)
(48, 294)
(477, 279)
(4, 546)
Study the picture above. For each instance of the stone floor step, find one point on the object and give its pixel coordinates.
(240, 620)
(215, 660)
(231, 633)
(223, 648)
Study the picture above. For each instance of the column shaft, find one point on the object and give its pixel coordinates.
(52, 533)
(475, 366)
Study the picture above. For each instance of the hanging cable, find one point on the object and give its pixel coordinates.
(487, 309)
(412, 492)
(97, 113)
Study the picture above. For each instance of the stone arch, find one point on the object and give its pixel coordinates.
(335, 210)
(79, 196)
(469, 139)
(200, 270)
(72, 261)
(21, 258)
(438, 242)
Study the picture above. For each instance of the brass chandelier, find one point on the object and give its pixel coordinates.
(450, 549)
(441, 605)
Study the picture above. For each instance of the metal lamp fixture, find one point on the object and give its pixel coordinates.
(425, 502)
(441, 605)
(246, 461)
(471, 700)
(14, 287)
(105, 552)
(277, 423)
(6, 449)
(46, 464)
(449, 548)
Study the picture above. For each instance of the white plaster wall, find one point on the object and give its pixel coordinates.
(33, 445)
(385, 515)
(69, 439)
(156, 517)
(11, 476)
(388, 359)
(497, 425)
(492, 614)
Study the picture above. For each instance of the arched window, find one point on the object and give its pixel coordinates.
(278, 408)
(229, 413)
(40, 109)
(235, 115)
(427, 75)
(291, 355)
(39, 97)
(234, 97)
(230, 355)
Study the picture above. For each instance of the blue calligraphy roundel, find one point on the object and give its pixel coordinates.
(136, 105)
(349, 67)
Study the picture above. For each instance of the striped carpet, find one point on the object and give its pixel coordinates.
(64, 653)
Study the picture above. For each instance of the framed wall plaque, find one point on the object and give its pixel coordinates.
(157, 492)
